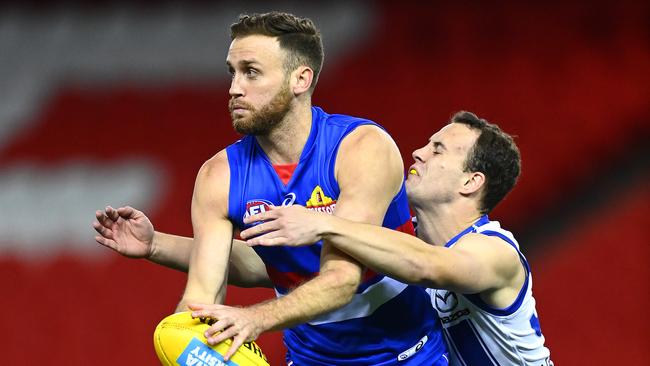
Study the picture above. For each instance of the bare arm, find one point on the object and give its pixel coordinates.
(130, 233)
(245, 268)
(477, 263)
(364, 197)
(208, 270)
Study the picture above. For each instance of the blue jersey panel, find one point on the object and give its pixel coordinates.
(385, 317)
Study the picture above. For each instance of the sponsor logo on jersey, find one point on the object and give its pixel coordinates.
(445, 301)
(257, 206)
(198, 353)
(455, 316)
(413, 350)
(318, 201)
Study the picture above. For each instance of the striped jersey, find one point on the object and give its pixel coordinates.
(480, 335)
(387, 322)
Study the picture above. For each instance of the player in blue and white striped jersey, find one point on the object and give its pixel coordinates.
(479, 281)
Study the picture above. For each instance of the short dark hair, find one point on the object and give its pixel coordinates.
(298, 36)
(494, 154)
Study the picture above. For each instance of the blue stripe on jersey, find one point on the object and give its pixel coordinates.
(472, 349)
(255, 185)
(482, 221)
(341, 339)
(400, 213)
(476, 299)
(304, 260)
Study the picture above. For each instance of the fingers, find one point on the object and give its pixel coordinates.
(236, 343)
(260, 229)
(103, 219)
(264, 216)
(205, 311)
(268, 241)
(215, 333)
(238, 338)
(112, 213)
(194, 306)
(106, 242)
(127, 212)
(103, 230)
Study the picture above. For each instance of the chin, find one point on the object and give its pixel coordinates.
(410, 191)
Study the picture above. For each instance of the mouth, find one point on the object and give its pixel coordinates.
(237, 110)
(412, 171)
(237, 107)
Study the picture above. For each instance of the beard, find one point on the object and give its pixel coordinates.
(264, 120)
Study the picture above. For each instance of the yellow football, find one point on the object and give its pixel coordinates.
(179, 341)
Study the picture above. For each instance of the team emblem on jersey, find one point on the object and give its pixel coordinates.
(318, 201)
(445, 301)
(258, 206)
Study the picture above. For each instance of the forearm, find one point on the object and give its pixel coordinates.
(171, 251)
(328, 291)
(246, 269)
(396, 254)
(208, 272)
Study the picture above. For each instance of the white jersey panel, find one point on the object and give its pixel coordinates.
(479, 335)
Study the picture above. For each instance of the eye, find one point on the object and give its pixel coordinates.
(251, 72)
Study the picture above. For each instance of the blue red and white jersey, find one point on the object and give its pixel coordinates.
(481, 335)
(386, 320)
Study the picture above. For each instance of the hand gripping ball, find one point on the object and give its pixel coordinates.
(179, 341)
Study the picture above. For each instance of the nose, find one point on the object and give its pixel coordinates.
(236, 89)
(417, 155)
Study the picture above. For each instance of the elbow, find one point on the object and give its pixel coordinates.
(345, 284)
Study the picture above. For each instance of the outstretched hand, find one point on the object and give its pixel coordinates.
(290, 226)
(125, 230)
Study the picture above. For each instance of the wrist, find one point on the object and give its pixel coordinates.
(327, 227)
(263, 321)
(153, 248)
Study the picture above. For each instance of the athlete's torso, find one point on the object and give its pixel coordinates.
(479, 335)
(385, 318)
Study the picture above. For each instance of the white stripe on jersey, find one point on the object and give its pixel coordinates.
(362, 304)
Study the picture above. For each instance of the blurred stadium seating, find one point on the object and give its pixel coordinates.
(106, 103)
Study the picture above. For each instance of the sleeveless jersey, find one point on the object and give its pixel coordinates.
(386, 319)
(480, 335)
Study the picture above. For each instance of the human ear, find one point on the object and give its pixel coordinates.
(474, 182)
(301, 80)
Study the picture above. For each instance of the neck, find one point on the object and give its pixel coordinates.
(284, 144)
(438, 226)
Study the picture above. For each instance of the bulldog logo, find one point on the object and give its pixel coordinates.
(318, 201)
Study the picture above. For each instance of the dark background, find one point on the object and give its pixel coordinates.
(571, 81)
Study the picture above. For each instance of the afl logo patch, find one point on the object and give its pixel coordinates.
(445, 301)
(255, 207)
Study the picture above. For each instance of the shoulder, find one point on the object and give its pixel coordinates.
(369, 146)
(216, 166)
(370, 138)
(493, 251)
(215, 173)
(369, 161)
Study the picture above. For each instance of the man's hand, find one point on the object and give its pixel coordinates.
(240, 324)
(125, 230)
(290, 226)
